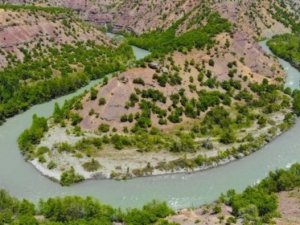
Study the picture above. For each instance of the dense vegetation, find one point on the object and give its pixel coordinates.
(33, 135)
(36, 8)
(222, 120)
(161, 42)
(59, 72)
(258, 204)
(287, 46)
(77, 211)
(222, 111)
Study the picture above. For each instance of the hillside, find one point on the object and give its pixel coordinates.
(143, 16)
(207, 95)
(275, 200)
(26, 31)
(47, 52)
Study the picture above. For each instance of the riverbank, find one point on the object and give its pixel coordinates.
(179, 190)
(131, 163)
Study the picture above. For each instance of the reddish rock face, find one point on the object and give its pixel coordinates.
(22, 29)
(148, 15)
(127, 14)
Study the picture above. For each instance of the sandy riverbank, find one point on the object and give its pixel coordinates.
(126, 161)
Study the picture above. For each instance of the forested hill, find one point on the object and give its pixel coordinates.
(206, 94)
(35, 31)
(47, 52)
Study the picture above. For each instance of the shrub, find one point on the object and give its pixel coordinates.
(70, 177)
(102, 101)
(33, 135)
(104, 128)
(139, 81)
(296, 102)
(92, 165)
(51, 165)
(94, 93)
(211, 62)
(228, 137)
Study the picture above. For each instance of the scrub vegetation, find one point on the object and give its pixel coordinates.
(183, 110)
(51, 64)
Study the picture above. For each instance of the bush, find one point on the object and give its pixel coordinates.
(139, 81)
(104, 128)
(211, 62)
(51, 165)
(91, 166)
(33, 135)
(228, 137)
(102, 101)
(94, 93)
(70, 177)
(76, 209)
(150, 214)
(296, 102)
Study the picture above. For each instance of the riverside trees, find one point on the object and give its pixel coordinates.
(72, 210)
(33, 81)
(255, 205)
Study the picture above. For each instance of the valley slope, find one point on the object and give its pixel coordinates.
(207, 94)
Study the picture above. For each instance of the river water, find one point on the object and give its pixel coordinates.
(179, 190)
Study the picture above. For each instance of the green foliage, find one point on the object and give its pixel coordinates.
(73, 210)
(296, 102)
(33, 135)
(75, 118)
(102, 101)
(162, 42)
(13, 210)
(282, 14)
(35, 8)
(287, 46)
(104, 128)
(58, 72)
(259, 203)
(154, 94)
(185, 143)
(255, 205)
(139, 81)
(92, 165)
(76, 209)
(228, 137)
(70, 177)
(94, 93)
(150, 214)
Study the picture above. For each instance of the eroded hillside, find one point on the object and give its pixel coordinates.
(256, 18)
(47, 52)
(208, 94)
(26, 32)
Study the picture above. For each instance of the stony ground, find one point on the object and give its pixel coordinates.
(203, 216)
(289, 208)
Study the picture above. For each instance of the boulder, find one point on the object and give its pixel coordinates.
(154, 65)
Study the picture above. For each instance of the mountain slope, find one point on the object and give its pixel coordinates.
(47, 52)
(207, 94)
